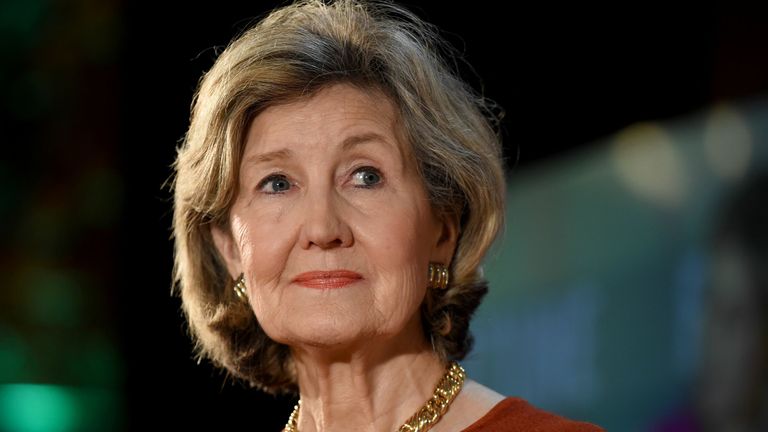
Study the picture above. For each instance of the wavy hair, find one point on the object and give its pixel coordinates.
(291, 54)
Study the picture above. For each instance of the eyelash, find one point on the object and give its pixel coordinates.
(283, 177)
(371, 169)
(270, 178)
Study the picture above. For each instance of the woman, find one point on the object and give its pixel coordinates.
(334, 196)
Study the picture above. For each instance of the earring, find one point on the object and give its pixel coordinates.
(240, 290)
(438, 276)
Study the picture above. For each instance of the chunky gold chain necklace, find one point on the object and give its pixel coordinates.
(429, 414)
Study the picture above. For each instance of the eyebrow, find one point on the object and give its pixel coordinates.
(286, 153)
(270, 156)
(354, 140)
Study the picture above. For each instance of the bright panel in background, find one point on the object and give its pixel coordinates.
(598, 288)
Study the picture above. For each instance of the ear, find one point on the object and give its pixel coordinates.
(225, 244)
(445, 246)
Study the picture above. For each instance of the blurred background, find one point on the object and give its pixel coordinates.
(629, 288)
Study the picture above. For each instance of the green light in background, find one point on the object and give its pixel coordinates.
(21, 20)
(34, 407)
(13, 353)
(50, 408)
(55, 297)
(95, 362)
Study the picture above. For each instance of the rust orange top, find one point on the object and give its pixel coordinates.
(516, 415)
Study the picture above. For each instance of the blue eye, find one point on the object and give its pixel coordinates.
(275, 184)
(367, 177)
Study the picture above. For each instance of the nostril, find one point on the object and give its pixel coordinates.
(329, 244)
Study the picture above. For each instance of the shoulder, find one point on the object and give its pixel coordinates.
(515, 414)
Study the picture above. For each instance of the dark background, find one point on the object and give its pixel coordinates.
(97, 98)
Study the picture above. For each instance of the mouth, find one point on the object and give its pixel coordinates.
(327, 279)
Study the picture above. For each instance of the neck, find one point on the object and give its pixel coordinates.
(376, 388)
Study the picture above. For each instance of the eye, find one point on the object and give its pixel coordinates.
(275, 184)
(366, 177)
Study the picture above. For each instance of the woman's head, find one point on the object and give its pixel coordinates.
(332, 136)
(331, 226)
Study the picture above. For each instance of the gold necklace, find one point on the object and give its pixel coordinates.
(429, 414)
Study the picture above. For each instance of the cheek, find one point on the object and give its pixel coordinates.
(264, 248)
(398, 245)
(407, 233)
(401, 292)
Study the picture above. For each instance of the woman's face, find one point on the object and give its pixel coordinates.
(332, 226)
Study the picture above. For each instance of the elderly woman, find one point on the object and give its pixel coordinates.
(334, 196)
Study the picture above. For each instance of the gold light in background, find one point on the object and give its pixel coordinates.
(727, 143)
(647, 161)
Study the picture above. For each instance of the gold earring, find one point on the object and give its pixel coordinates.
(240, 290)
(438, 276)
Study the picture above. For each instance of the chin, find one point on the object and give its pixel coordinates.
(322, 330)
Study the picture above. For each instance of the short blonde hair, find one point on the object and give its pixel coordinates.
(292, 53)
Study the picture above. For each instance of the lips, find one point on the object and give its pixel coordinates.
(327, 279)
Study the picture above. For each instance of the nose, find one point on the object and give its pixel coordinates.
(324, 226)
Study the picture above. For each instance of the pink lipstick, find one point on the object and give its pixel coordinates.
(327, 279)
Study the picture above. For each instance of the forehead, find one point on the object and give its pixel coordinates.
(329, 117)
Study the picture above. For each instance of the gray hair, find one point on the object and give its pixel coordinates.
(291, 54)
